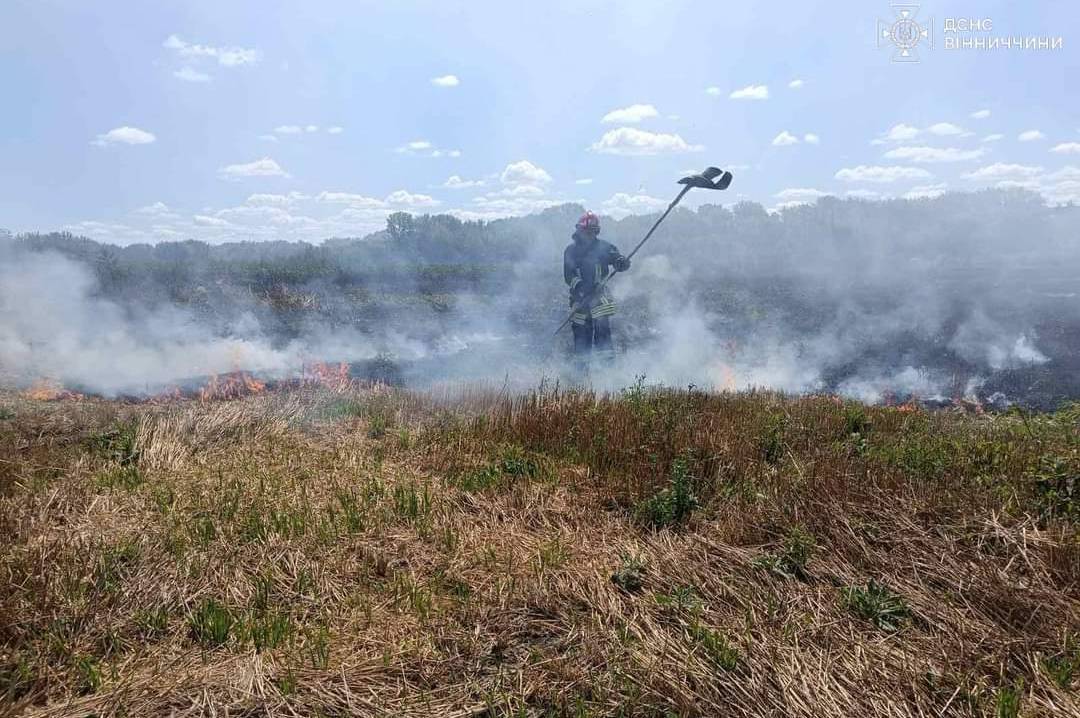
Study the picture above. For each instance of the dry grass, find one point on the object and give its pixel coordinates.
(658, 553)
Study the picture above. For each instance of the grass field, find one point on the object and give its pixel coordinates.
(657, 553)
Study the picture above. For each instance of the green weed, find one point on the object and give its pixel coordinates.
(630, 576)
(877, 604)
(211, 624)
(672, 505)
(791, 558)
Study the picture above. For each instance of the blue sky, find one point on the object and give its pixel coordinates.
(139, 121)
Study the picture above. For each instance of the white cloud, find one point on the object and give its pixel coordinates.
(622, 204)
(800, 195)
(311, 128)
(268, 138)
(264, 167)
(1067, 148)
(631, 115)
(455, 182)
(993, 138)
(1030, 136)
(980, 115)
(275, 200)
(425, 148)
(288, 129)
(900, 133)
(811, 139)
(583, 180)
(207, 221)
(355, 201)
(933, 154)
(188, 74)
(1000, 171)
(795, 84)
(408, 199)
(632, 141)
(226, 56)
(751, 92)
(157, 208)
(714, 91)
(946, 129)
(335, 130)
(784, 139)
(524, 172)
(882, 175)
(446, 81)
(126, 136)
(926, 191)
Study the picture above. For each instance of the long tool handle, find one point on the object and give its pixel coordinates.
(644, 239)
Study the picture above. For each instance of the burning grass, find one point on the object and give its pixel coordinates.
(335, 550)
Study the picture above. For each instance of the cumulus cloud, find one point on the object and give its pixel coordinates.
(622, 204)
(335, 130)
(947, 129)
(631, 115)
(275, 200)
(125, 136)
(751, 92)
(268, 138)
(795, 84)
(356, 201)
(993, 138)
(714, 91)
(456, 182)
(408, 199)
(264, 167)
(898, 133)
(425, 148)
(188, 74)
(225, 56)
(882, 175)
(1000, 171)
(289, 129)
(933, 154)
(446, 81)
(980, 114)
(524, 172)
(631, 141)
(584, 180)
(784, 139)
(1067, 148)
(811, 139)
(800, 195)
(1030, 136)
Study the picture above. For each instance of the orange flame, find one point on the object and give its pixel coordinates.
(50, 390)
(231, 386)
(332, 376)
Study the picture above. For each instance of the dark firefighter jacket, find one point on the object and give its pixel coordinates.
(584, 267)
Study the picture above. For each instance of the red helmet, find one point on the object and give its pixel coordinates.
(588, 222)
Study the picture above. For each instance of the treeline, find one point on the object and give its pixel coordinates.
(821, 247)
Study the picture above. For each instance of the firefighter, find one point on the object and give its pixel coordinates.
(586, 262)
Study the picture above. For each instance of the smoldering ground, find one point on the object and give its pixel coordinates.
(934, 298)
